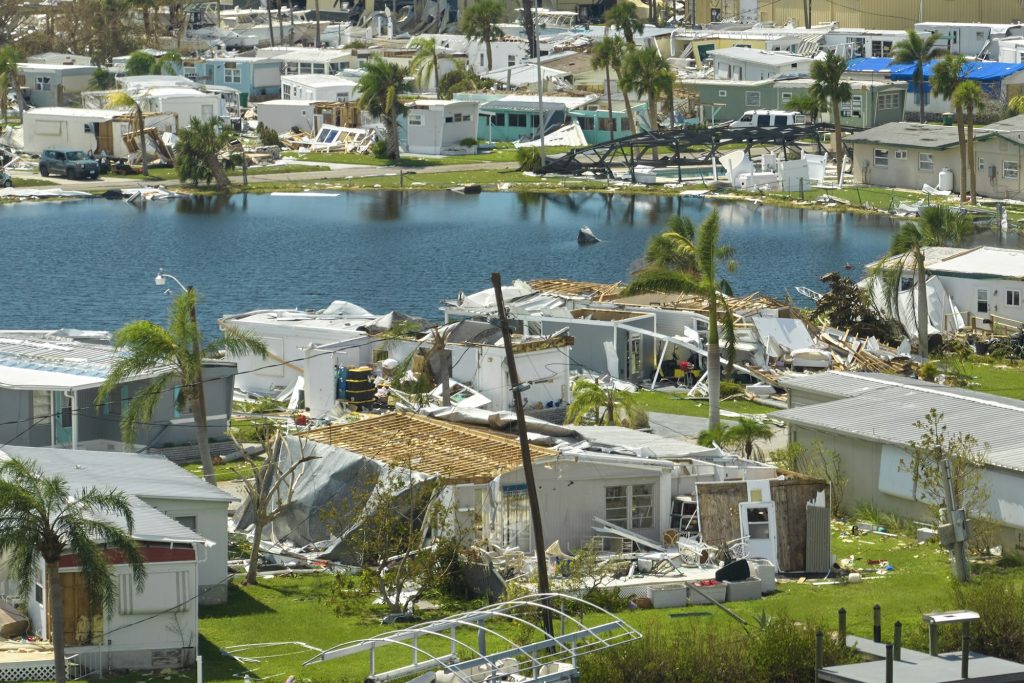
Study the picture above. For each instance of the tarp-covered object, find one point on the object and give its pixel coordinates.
(326, 484)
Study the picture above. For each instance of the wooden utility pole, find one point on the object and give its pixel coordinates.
(524, 444)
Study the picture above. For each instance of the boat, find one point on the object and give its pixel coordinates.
(586, 236)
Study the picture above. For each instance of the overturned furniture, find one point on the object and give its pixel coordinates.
(435, 646)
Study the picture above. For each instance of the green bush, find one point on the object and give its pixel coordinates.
(380, 149)
(1000, 602)
(728, 388)
(529, 159)
(268, 136)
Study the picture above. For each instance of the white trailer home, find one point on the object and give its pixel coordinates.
(283, 115)
(440, 126)
(94, 130)
(184, 103)
(318, 87)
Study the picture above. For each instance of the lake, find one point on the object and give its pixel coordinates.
(90, 264)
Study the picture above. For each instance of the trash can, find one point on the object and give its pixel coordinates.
(947, 119)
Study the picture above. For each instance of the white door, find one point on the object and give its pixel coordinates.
(757, 524)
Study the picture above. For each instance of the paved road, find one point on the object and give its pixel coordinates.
(340, 171)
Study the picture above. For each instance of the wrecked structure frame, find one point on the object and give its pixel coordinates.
(687, 147)
(551, 658)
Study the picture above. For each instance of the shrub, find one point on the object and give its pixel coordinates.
(268, 136)
(727, 388)
(380, 149)
(529, 159)
(1000, 602)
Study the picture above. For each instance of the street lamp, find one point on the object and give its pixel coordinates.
(199, 415)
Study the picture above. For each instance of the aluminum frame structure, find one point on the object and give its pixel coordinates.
(702, 144)
(546, 660)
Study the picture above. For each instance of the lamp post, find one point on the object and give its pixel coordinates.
(197, 387)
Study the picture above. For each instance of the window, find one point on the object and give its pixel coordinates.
(881, 48)
(982, 301)
(534, 120)
(752, 98)
(189, 521)
(881, 157)
(606, 124)
(630, 506)
(319, 68)
(482, 59)
(415, 120)
(586, 124)
(449, 119)
(286, 91)
(723, 93)
(786, 97)
(517, 120)
(1011, 170)
(981, 163)
(42, 82)
(65, 412)
(232, 75)
(39, 594)
(182, 406)
(853, 108)
(40, 407)
(1013, 297)
(499, 119)
(925, 162)
(889, 101)
(511, 60)
(901, 154)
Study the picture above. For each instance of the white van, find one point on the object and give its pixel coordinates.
(769, 118)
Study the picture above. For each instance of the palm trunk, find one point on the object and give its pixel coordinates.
(487, 43)
(391, 126)
(970, 154)
(608, 92)
(220, 178)
(629, 107)
(652, 106)
(280, 24)
(254, 554)
(919, 80)
(963, 153)
(270, 23)
(142, 139)
(55, 599)
(714, 364)
(317, 10)
(437, 73)
(922, 305)
(839, 137)
(670, 101)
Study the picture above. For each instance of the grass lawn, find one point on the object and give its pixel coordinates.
(502, 154)
(228, 471)
(295, 609)
(170, 173)
(31, 182)
(435, 181)
(678, 404)
(998, 378)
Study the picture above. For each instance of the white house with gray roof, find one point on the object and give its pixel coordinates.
(868, 420)
(744, 63)
(180, 524)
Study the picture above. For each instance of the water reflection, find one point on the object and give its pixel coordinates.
(384, 206)
(204, 204)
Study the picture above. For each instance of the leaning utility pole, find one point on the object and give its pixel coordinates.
(956, 519)
(543, 586)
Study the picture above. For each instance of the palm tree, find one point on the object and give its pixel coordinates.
(645, 72)
(460, 79)
(969, 97)
(424, 62)
(379, 88)
(121, 98)
(480, 22)
(938, 226)
(101, 79)
(178, 349)
(806, 104)
(592, 402)
(946, 76)
(675, 263)
(745, 434)
(43, 520)
(197, 153)
(916, 50)
(607, 54)
(829, 86)
(623, 17)
(9, 59)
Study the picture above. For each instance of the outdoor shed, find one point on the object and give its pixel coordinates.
(785, 517)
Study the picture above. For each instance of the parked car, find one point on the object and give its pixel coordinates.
(70, 163)
(768, 118)
(5, 179)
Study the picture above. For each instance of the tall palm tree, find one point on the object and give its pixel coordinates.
(969, 96)
(675, 263)
(379, 87)
(938, 226)
(480, 22)
(829, 86)
(197, 152)
(607, 54)
(645, 72)
(424, 62)
(9, 59)
(591, 401)
(946, 76)
(623, 17)
(121, 98)
(917, 50)
(43, 520)
(806, 104)
(178, 350)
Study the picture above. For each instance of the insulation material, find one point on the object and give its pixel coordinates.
(567, 136)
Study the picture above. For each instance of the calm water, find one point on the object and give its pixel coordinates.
(90, 264)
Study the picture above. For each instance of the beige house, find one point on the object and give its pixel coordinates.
(911, 155)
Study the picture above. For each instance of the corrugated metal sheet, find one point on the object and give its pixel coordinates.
(888, 414)
(847, 384)
(819, 552)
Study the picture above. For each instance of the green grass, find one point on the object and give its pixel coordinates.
(389, 180)
(31, 182)
(678, 404)
(229, 471)
(505, 154)
(170, 173)
(996, 378)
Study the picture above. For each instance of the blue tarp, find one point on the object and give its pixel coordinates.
(973, 71)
